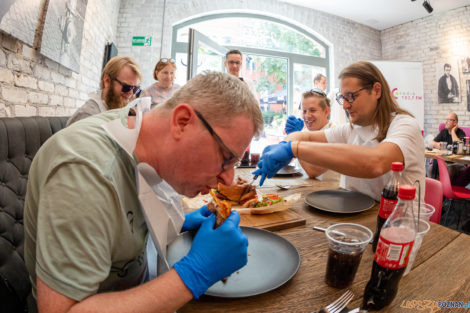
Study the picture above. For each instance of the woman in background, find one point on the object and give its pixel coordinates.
(164, 74)
(315, 113)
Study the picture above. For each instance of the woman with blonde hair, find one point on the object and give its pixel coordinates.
(163, 89)
(315, 112)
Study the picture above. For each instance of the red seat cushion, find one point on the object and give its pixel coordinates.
(461, 192)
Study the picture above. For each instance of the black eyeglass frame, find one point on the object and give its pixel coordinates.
(126, 87)
(228, 163)
(350, 96)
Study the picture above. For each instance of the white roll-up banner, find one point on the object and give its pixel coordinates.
(406, 83)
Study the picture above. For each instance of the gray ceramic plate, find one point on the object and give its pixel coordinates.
(339, 201)
(272, 261)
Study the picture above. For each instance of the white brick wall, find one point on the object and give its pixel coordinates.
(3, 58)
(351, 41)
(31, 84)
(6, 75)
(433, 40)
(26, 81)
(14, 95)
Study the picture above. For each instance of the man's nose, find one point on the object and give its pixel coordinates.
(226, 177)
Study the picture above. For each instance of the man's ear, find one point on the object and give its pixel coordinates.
(328, 111)
(106, 81)
(182, 118)
(377, 90)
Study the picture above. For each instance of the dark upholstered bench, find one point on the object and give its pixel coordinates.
(20, 139)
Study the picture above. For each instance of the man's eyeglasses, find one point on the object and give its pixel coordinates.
(450, 120)
(126, 88)
(167, 60)
(234, 62)
(232, 160)
(350, 96)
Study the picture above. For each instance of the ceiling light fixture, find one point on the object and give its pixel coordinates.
(427, 6)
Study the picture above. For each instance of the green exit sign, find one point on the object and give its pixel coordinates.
(142, 41)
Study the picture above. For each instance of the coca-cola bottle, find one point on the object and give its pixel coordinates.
(245, 161)
(388, 200)
(395, 243)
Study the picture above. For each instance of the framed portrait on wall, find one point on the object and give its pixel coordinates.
(465, 65)
(19, 18)
(468, 95)
(63, 29)
(448, 90)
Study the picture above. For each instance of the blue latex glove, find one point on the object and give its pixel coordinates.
(214, 254)
(293, 124)
(194, 219)
(274, 158)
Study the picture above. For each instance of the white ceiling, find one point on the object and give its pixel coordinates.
(379, 14)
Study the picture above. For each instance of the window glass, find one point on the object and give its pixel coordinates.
(303, 81)
(181, 68)
(268, 77)
(255, 33)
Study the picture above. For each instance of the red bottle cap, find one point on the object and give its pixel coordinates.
(406, 192)
(397, 166)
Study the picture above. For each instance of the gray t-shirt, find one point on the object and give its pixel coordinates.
(84, 228)
(92, 106)
(159, 94)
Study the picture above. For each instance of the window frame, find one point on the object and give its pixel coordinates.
(181, 47)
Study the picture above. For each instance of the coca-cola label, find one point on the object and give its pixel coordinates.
(386, 207)
(394, 254)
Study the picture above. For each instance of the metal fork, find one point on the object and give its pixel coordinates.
(247, 188)
(339, 304)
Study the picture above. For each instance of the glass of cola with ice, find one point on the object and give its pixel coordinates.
(347, 242)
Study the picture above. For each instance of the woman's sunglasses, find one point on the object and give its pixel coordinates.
(126, 88)
(167, 60)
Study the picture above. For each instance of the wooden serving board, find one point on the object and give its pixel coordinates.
(274, 221)
(283, 219)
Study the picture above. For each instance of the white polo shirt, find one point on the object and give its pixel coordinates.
(404, 131)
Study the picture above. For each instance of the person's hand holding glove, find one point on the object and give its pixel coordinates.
(274, 158)
(214, 254)
(293, 124)
(194, 219)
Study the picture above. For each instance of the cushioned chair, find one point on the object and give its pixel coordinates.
(449, 191)
(433, 196)
(20, 139)
(465, 129)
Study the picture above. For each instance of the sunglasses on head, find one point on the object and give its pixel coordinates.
(167, 60)
(125, 88)
(318, 92)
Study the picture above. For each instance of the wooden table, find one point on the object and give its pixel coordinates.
(440, 272)
(456, 158)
